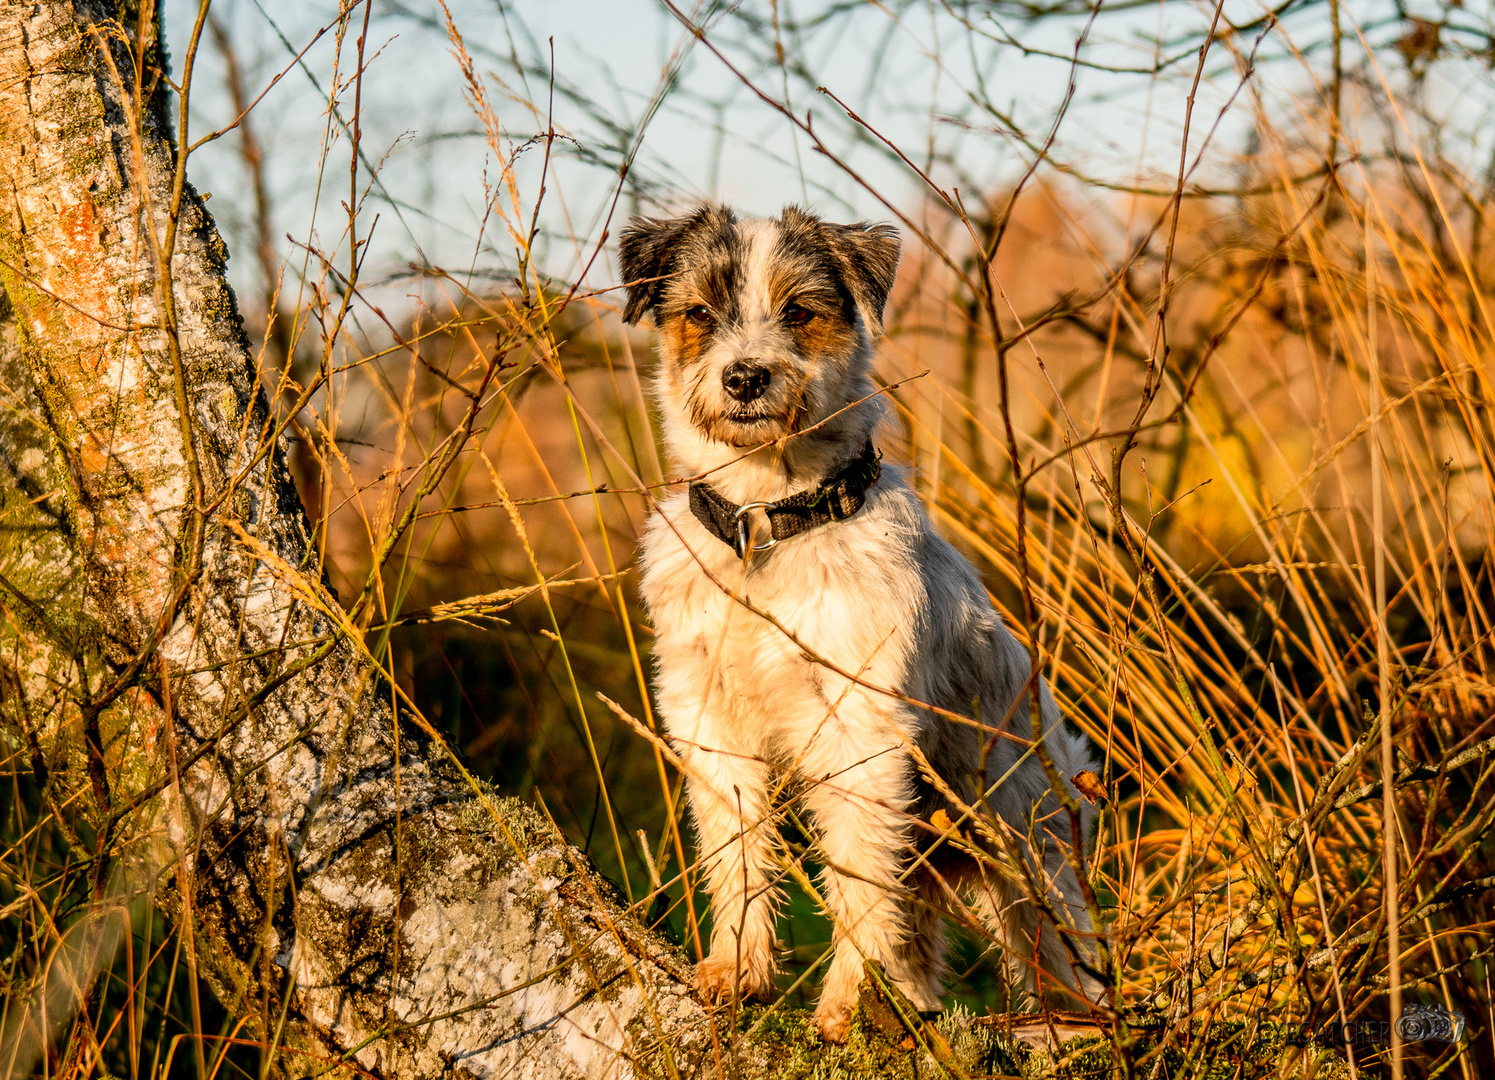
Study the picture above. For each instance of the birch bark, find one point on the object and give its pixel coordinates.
(170, 661)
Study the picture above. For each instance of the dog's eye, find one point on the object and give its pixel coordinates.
(795, 315)
(700, 314)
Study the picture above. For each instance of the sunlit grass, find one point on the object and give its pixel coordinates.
(1197, 549)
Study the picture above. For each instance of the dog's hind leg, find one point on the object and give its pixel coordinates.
(1062, 951)
(1034, 951)
(729, 801)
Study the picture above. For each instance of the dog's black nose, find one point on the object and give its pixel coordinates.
(746, 381)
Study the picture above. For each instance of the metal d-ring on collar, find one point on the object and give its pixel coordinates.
(838, 497)
(741, 536)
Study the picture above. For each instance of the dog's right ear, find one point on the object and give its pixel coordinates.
(645, 254)
(868, 255)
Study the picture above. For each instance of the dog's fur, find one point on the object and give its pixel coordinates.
(879, 597)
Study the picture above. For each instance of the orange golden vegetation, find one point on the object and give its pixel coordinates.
(1221, 649)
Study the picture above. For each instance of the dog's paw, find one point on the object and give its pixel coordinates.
(718, 978)
(833, 1017)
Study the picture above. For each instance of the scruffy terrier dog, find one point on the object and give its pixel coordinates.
(811, 624)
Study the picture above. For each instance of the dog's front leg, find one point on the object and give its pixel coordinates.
(729, 800)
(859, 802)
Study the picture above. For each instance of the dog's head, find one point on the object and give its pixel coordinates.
(765, 325)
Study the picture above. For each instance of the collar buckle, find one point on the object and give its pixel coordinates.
(740, 523)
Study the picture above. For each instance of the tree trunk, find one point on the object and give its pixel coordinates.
(165, 659)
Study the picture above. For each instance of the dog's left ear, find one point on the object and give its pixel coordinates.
(868, 255)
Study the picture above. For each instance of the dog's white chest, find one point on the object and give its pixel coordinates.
(768, 649)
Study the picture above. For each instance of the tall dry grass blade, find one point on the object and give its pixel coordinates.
(1383, 657)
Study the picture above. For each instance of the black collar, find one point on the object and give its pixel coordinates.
(837, 498)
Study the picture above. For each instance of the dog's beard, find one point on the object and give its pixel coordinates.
(741, 426)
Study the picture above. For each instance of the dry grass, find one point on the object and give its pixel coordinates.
(1180, 525)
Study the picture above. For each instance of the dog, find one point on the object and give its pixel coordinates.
(812, 625)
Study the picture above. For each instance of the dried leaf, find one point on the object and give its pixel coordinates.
(1089, 785)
